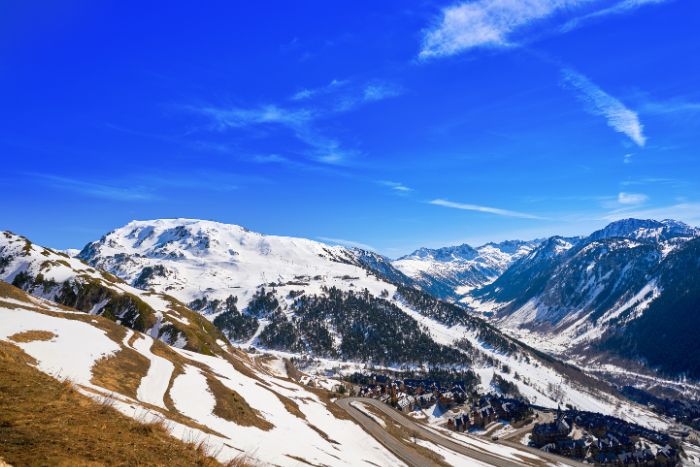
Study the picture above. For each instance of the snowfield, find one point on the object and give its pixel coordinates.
(317, 436)
(205, 258)
(155, 384)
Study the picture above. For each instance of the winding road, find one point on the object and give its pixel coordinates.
(413, 458)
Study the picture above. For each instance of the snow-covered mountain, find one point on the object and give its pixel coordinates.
(595, 295)
(647, 229)
(451, 272)
(346, 309)
(236, 407)
(55, 276)
(194, 259)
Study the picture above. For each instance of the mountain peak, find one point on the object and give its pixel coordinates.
(447, 253)
(646, 229)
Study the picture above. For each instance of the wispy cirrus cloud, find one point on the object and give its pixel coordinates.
(504, 23)
(349, 243)
(598, 102)
(396, 186)
(304, 121)
(631, 199)
(654, 181)
(269, 159)
(309, 93)
(625, 201)
(485, 23)
(111, 191)
(301, 123)
(670, 106)
(236, 117)
(380, 91)
(486, 209)
(145, 186)
(619, 8)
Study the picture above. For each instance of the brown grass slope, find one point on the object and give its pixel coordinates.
(46, 422)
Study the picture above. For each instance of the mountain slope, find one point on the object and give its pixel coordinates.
(282, 293)
(68, 281)
(46, 421)
(600, 289)
(450, 272)
(665, 334)
(345, 308)
(230, 404)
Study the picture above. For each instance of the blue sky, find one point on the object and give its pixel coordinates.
(387, 124)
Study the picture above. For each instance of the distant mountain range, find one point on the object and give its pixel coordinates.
(631, 289)
(450, 272)
(596, 296)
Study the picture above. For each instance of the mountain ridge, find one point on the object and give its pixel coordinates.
(596, 292)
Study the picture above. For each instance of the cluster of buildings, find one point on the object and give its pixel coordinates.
(408, 395)
(474, 411)
(487, 409)
(591, 437)
(604, 440)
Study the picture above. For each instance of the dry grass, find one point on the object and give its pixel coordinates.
(47, 422)
(291, 406)
(133, 338)
(231, 406)
(10, 291)
(235, 360)
(31, 336)
(121, 372)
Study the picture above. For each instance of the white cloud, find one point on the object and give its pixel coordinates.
(627, 199)
(303, 121)
(299, 121)
(495, 23)
(309, 93)
(616, 9)
(485, 23)
(380, 91)
(477, 208)
(343, 242)
(598, 102)
(236, 117)
(126, 192)
(397, 186)
(627, 158)
(671, 106)
(371, 92)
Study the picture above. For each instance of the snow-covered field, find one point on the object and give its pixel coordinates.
(317, 436)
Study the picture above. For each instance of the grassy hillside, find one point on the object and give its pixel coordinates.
(45, 421)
